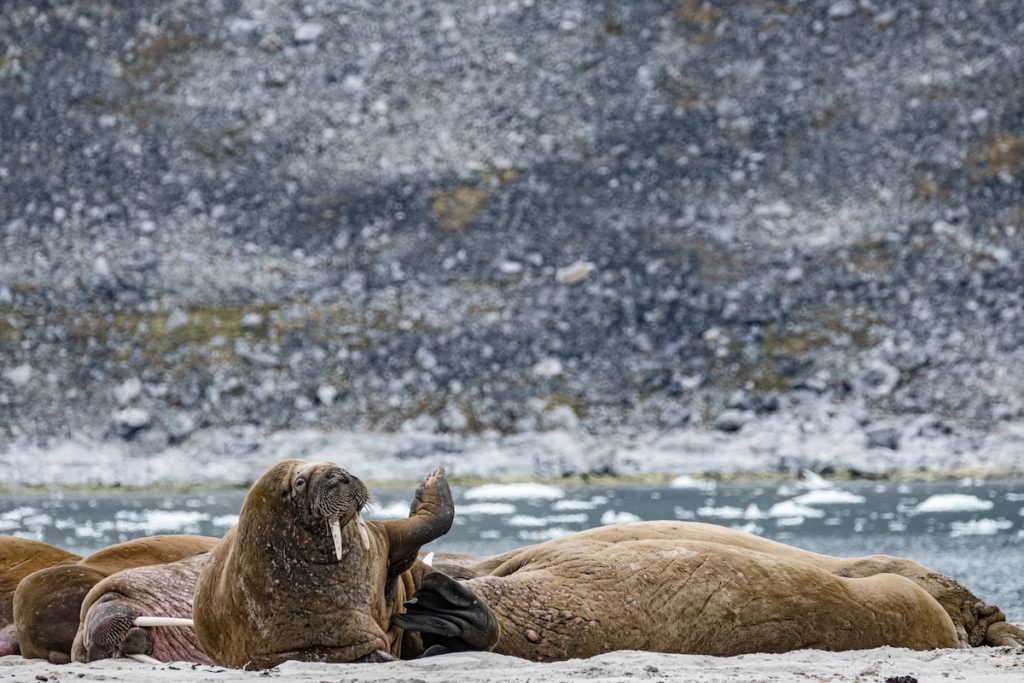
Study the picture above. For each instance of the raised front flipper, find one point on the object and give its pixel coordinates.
(450, 617)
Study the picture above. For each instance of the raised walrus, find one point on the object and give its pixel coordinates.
(303, 576)
(19, 557)
(693, 588)
(47, 602)
(113, 610)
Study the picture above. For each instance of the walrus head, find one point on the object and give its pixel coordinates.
(328, 498)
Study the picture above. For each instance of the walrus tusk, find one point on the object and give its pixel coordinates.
(335, 525)
(145, 659)
(164, 621)
(364, 536)
(428, 559)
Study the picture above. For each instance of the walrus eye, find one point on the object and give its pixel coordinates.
(300, 484)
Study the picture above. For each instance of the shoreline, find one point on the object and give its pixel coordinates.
(652, 479)
(979, 665)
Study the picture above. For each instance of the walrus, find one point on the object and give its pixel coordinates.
(47, 602)
(19, 557)
(696, 589)
(115, 612)
(303, 576)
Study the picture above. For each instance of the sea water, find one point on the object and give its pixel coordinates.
(972, 530)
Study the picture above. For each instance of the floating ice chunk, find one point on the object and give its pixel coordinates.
(753, 512)
(19, 512)
(813, 481)
(486, 509)
(154, 521)
(563, 505)
(724, 512)
(828, 497)
(789, 521)
(953, 502)
(543, 534)
(979, 527)
(517, 491)
(683, 513)
(578, 518)
(225, 521)
(527, 520)
(750, 528)
(394, 510)
(789, 508)
(618, 517)
(1014, 497)
(685, 481)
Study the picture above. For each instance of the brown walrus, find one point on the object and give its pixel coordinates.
(108, 625)
(47, 602)
(19, 557)
(697, 589)
(303, 576)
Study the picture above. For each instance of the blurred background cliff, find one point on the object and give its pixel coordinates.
(549, 237)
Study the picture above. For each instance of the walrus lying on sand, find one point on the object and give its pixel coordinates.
(19, 557)
(697, 589)
(47, 602)
(303, 576)
(143, 613)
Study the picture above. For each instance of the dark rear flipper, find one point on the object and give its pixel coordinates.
(449, 616)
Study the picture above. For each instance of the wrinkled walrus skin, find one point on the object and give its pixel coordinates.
(107, 624)
(275, 588)
(696, 589)
(20, 557)
(47, 603)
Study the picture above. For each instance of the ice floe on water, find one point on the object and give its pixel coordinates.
(792, 509)
(568, 504)
(526, 520)
(393, 510)
(618, 517)
(953, 502)
(514, 491)
(157, 521)
(485, 509)
(721, 512)
(1014, 497)
(829, 497)
(533, 521)
(685, 481)
(538, 535)
(979, 527)
(225, 521)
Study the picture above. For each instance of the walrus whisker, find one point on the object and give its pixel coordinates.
(164, 621)
(335, 526)
(364, 535)
(145, 659)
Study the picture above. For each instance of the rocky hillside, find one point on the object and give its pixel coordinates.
(512, 215)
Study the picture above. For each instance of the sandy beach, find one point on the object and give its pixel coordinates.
(977, 665)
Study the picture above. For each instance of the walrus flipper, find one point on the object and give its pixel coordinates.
(449, 616)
